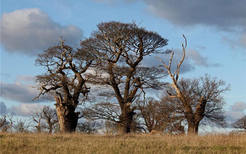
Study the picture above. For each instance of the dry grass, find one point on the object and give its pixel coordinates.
(87, 144)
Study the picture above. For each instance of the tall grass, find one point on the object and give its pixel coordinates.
(128, 144)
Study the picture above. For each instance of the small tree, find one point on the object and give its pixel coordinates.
(21, 126)
(121, 49)
(64, 80)
(103, 111)
(50, 117)
(37, 119)
(200, 98)
(110, 114)
(240, 123)
(162, 116)
(45, 119)
(110, 127)
(6, 123)
(89, 126)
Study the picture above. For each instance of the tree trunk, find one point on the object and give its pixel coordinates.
(193, 123)
(50, 129)
(149, 128)
(67, 118)
(38, 127)
(193, 128)
(126, 119)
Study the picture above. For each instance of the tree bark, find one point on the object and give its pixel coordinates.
(126, 119)
(67, 117)
(68, 120)
(193, 128)
(38, 127)
(50, 129)
(193, 124)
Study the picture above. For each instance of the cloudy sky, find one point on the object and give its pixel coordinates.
(215, 29)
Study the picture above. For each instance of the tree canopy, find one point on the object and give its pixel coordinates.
(63, 79)
(121, 48)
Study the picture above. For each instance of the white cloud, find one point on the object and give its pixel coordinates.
(220, 13)
(25, 109)
(236, 111)
(21, 92)
(238, 106)
(239, 41)
(156, 61)
(30, 30)
(243, 39)
(3, 108)
(200, 60)
(26, 79)
(192, 60)
(225, 15)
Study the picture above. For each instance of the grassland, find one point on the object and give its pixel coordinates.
(129, 144)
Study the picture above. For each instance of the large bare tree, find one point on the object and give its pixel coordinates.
(121, 48)
(201, 99)
(63, 79)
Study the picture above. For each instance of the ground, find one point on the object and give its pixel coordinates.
(128, 144)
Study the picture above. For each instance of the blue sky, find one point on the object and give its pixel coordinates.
(215, 29)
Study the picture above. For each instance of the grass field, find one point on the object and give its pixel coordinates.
(129, 144)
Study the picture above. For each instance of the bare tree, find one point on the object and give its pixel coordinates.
(106, 111)
(136, 126)
(153, 119)
(3, 121)
(110, 127)
(163, 116)
(110, 114)
(45, 119)
(50, 117)
(37, 119)
(240, 123)
(121, 48)
(103, 111)
(6, 123)
(89, 126)
(64, 80)
(21, 126)
(199, 98)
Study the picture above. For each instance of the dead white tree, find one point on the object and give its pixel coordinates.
(200, 98)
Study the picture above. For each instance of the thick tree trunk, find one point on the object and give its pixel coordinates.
(67, 120)
(193, 122)
(149, 129)
(193, 128)
(67, 117)
(126, 119)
